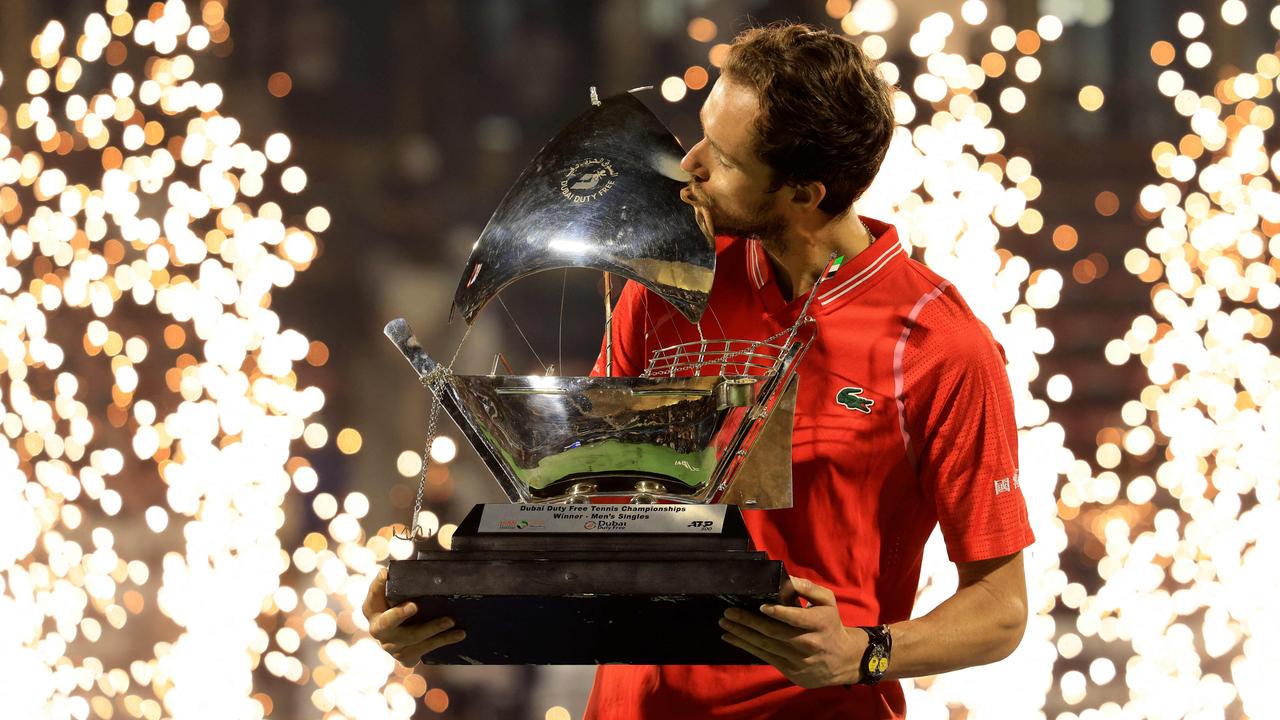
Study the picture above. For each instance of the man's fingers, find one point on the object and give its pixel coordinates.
(392, 618)
(376, 601)
(404, 636)
(434, 627)
(412, 654)
(763, 625)
(775, 660)
(813, 592)
(800, 618)
(780, 648)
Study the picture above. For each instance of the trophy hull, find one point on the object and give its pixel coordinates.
(683, 438)
(547, 435)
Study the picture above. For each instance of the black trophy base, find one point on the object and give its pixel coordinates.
(588, 598)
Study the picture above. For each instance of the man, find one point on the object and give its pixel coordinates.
(904, 418)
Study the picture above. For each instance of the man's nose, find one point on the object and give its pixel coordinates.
(692, 162)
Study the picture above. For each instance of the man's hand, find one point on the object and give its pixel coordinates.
(406, 644)
(809, 645)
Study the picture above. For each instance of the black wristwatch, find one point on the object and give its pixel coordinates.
(875, 661)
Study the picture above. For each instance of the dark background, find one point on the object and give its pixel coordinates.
(412, 119)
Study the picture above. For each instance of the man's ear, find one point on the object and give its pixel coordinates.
(808, 195)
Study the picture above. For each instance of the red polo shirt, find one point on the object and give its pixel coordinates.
(904, 420)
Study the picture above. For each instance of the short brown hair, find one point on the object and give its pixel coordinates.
(825, 112)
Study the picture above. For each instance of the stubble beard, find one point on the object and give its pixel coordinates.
(758, 223)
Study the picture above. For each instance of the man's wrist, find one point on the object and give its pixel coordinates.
(858, 646)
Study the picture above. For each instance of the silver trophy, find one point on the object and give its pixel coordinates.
(625, 490)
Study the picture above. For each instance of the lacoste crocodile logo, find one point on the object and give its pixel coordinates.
(851, 397)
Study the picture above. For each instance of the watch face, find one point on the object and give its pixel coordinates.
(876, 659)
(879, 662)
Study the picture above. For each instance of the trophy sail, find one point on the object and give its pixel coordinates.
(604, 194)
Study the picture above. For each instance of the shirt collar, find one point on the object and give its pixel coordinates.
(855, 274)
(847, 282)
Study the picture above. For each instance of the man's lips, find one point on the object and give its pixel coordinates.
(689, 195)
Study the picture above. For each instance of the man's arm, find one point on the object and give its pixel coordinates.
(982, 623)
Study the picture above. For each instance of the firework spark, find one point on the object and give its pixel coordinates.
(145, 377)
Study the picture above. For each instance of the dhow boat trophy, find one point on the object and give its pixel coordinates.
(623, 541)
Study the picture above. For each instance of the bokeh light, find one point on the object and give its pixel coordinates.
(1188, 548)
(956, 194)
(157, 420)
(150, 401)
(1091, 97)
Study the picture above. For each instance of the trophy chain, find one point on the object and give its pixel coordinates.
(433, 382)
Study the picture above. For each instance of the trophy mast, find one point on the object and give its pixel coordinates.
(608, 292)
(608, 327)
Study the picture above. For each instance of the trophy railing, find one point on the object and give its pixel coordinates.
(747, 358)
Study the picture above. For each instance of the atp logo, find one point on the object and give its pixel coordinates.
(851, 398)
